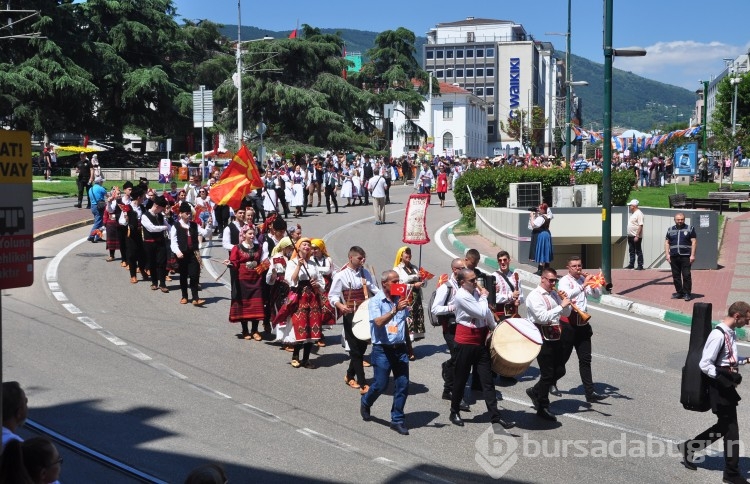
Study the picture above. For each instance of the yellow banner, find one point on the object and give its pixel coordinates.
(15, 157)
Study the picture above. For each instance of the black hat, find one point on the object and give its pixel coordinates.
(160, 201)
(279, 224)
(127, 184)
(185, 208)
(137, 192)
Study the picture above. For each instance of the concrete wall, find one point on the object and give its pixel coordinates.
(577, 231)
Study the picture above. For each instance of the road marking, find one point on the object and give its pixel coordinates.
(89, 322)
(53, 286)
(412, 472)
(267, 416)
(638, 365)
(168, 370)
(137, 353)
(60, 296)
(335, 231)
(111, 338)
(51, 272)
(209, 391)
(327, 440)
(72, 309)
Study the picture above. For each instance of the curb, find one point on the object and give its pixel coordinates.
(64, 228)
(606, 300)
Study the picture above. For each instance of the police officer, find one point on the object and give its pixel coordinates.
(680, 246)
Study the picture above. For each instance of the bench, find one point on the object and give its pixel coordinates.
(678, 200)
(732, 197)
(708, 203)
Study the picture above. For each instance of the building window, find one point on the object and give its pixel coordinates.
(449, 54)
(449, 73)
(469, 36)
(480, 52)
(459, 73)
(447, 141)
(479, 91)
(430, 54)
(490, 129)
(480, 72)
(439, 73)
(459, 53)
(412, 140)
(469, 72)
(489, 91)
(469, 53)
(410, 113)
(447, 110)
(490, 72)
(438, 54)
(490, 110)
(490, 52)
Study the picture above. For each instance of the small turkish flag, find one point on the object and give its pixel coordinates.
(398, 289)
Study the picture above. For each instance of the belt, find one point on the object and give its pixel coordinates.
(730, 369)
(397, 346)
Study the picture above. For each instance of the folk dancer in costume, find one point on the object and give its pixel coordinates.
(276, 228)
(110, 223)
(155, 229)
(298, 191)
(134, 242)
(304, 281)
(347, 188)
(444, 308)
(346, 294)
(184, 244)
(279, 288)
(474, 320)
(542, 244)
(545, 307)
(388, 331)
(324, 266)
(508, 293)
(423, 181)
(120, 207)
(720, 362)
(577, 333)
(270, 200)
(357, 190)
(247, 291)
(409, 274)
(231, 238)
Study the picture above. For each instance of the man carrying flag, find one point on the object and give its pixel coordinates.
(239, 178)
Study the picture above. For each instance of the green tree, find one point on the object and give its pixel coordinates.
(721, 123)
(538, 128)
(513, 127)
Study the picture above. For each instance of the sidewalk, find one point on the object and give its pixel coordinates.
(55, 223)
(649, 292)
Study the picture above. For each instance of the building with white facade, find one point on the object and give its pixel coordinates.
(455, 121)
(740, 65)
(499, 62)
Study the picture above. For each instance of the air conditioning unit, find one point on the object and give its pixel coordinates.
(562, 197)
(524, 195)
(585, 196)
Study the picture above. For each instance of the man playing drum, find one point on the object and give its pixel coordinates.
(347, 293)
(576, 332)
(544, 307)
(474, 320)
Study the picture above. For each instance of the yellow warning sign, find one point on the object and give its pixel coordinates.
(15, 157)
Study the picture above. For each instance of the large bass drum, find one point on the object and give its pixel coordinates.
(514, 345)
(361, 321)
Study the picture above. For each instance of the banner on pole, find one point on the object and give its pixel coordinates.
(415, 220)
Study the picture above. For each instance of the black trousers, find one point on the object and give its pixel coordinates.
(357, 349)
(683, 280)
(367, 192)
(331, 195)
(122, 234)
(221, 212)
(579, 338)
(189, 267)
(449, 365)
(551, 362)
(83, 186)
(466, 357)
(135, 254)
(635, 250)
(156, 254)
(726, 427)
(281, 197)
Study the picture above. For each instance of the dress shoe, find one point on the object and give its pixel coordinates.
(134, 280)
(364, 411)
(554, 391)
(687, 457)
(534, 399)
(456, 419)
(504, 424)
(688, 297)
(677, 295)
(199, 302)
(631, 267)
(639, 268)
(734, 480)
(464, 407)
(546, 414)
(400, 428)
(595, 397)
(447, 395)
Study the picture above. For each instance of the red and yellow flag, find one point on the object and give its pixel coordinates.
(237, 180)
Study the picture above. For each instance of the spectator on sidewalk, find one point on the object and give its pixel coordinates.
(680, 245)
(635, 235)
(98, 194)
(84, 179)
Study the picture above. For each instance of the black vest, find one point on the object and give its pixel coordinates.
(182, 237)
(155, 219)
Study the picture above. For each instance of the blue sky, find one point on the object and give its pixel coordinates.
(686, 40)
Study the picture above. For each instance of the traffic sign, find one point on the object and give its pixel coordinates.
(16, 210)
(203, 108)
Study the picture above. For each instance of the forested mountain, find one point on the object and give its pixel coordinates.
(638, 102)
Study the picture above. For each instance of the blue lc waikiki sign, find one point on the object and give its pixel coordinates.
(515, 89)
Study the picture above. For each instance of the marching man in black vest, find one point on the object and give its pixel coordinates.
(721, 363)
(184, 244)
(155, 229)
(231, 235)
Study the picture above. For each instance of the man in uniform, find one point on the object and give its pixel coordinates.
(544, 308)
(84, 180)
(721, 364)
(680, 245)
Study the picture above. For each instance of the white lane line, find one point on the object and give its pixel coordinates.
(168, 370)
(72, 308)
(209, 391)
(412, 472)
(630, 363)
(89, 322)
(53, 286)
(136, 353)
(51, 272)
(327, 440)
(60, 296)
(111, 338)
(335, 231)
(613, 426)
(267, 416)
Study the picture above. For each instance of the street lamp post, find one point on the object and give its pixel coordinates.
(239, 76)
(569, 87)
(609, 53)
(567, 94)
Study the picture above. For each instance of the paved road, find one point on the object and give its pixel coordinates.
(164, 387)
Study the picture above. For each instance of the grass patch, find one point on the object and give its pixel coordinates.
(62, 186)
(658, 197)
(464, 228)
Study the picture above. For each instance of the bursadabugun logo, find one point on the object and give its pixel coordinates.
(496, 454)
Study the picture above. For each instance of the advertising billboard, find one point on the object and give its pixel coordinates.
(686, 160)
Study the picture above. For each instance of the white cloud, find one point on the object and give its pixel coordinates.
(681, 63)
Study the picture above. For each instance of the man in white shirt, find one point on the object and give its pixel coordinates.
(720, 363)
(377, 186)
(635, 235)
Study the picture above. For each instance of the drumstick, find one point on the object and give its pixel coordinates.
(376, 279)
